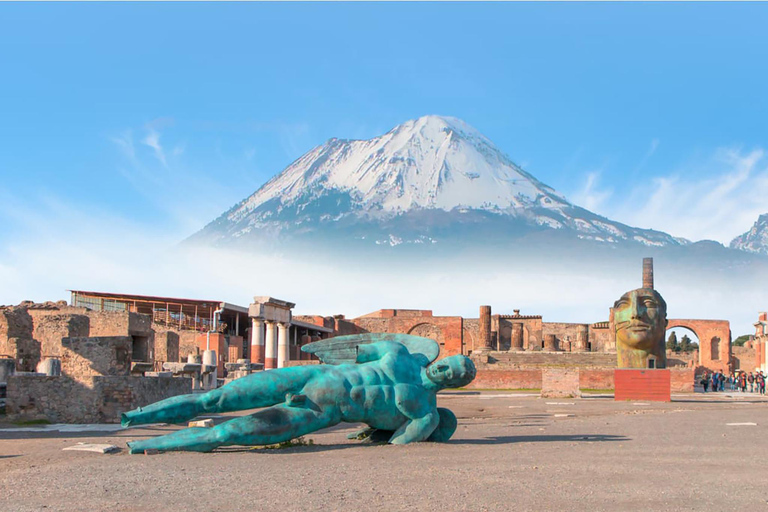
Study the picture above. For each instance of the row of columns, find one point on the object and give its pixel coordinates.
(271, 350)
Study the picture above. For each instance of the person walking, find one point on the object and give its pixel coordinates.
(751, 381)
(704, 382)
(743, 382)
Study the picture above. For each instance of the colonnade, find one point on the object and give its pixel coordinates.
(272, 349)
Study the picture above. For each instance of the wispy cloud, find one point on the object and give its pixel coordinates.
(153, 141)
(124, 141)
(648, 154)
(591, 196)
(718, 207)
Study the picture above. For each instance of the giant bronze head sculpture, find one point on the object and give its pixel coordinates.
(640, 322)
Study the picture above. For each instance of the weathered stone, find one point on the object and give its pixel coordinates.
(207, 423)
(92, 447)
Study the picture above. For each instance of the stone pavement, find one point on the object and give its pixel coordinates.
(511, 451)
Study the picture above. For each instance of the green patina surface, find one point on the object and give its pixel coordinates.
(383, 380)
(640, 320)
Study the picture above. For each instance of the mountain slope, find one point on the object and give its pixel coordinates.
(756, 239)
(428, 180)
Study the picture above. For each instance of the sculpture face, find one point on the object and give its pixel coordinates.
(452, 372)
(640, 320)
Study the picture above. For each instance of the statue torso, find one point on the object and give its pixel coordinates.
(367, 392)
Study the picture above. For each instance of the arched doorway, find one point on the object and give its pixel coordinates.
(431, 331)
(683, 345)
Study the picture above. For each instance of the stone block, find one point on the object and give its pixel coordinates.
(560, 382)
(207, 423)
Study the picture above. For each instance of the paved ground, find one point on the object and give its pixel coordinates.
(511, 452)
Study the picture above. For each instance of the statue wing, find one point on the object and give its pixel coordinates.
(343, 349)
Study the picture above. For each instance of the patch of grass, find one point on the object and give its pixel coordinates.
(593, 390)
(299, 441)
(32, 422)
(498, 389)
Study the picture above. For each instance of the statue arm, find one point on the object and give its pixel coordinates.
(375, 351)
(421, 413)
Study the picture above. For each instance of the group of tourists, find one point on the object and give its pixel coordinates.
(739, 381)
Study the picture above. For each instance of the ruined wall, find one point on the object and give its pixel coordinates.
(714, 341)
(602, 338)
(16, 340)
(471, 334)
(446, 330)
(744, 358)
(91, 400)
(166, 347)
(569, 337)
(187, 344)
(82, 358)
(506, 379)
(682, 379)
(50, 328)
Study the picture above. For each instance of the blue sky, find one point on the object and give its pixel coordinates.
(155, 118)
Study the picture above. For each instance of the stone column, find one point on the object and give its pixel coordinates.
(485, 328)
(550, 343)
(270, 347)
(582, 339)
(257, 340)
(517, 336)
(282, 345)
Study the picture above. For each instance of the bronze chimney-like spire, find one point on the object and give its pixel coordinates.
(648, 273)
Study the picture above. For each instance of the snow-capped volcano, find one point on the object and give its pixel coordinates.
(426, 180)
(431, 162)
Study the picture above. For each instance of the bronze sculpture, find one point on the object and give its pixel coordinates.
(383, 380)
(640, 322)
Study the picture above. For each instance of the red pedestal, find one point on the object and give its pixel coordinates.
(270, 363)
(649, 385)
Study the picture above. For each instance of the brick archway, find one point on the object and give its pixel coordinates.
(714, 341)
(431, 331)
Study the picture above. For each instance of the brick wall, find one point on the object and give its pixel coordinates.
(560, 382)
(90, 400)
(681, 380)
(446, 330)
(506, 379)
(596, 379)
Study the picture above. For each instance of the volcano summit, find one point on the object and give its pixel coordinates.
(434, 180)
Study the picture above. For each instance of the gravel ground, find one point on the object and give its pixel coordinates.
(511, 451)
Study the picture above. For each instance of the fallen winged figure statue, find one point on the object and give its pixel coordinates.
(386, 381)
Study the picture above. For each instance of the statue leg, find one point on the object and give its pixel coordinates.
(256, 390)
(269, 426)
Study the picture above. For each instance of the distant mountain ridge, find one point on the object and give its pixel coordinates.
(427, 181)
(756, 239)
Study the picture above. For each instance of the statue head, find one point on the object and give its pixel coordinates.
(452, 372)
(640, 320)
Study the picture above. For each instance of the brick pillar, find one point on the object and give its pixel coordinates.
(648, 273)
(759, 354)
(485, 328)
(550, 343)
(517, 336)
(582, 339)
(304, 340)
(270, 347)
(257, 341)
